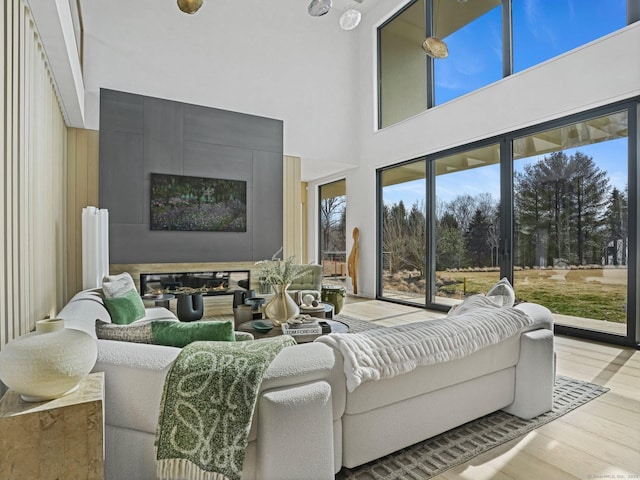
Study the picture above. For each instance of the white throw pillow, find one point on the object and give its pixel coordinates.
(503, 293)
(117, 285)
(473, 302)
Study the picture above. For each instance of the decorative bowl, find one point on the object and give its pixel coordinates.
(255, 302)
(261, 326)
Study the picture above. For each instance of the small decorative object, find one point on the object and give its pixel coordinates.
(280, 274)
(48, 363)
(190, 307)
(261, 326)
(334, 294)
(255, 302)
(308, 300)
(300, 319)
(281, 307)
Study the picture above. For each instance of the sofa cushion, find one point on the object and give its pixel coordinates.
(117, 285)
(473, 303)
(503, 293)
(135, 332)
(177, 334)
(167, 332)
(126, 308)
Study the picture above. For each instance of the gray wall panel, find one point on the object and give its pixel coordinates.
(217, 161)
(122, 112)
(231, 128)
(135, 244)
(268, 212)
(163, 129)
(122, 176)
(205, 142)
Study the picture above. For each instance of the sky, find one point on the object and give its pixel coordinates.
(608, 156)
(542, 30)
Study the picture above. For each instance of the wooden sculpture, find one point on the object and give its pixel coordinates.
(354, 258)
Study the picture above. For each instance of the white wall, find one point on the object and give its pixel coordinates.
(265, 58)
(605, 71)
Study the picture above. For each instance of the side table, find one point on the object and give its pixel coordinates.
(160, 301)
(325, 312)
(61, 438)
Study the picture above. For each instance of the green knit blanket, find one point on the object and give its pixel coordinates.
(207, 405)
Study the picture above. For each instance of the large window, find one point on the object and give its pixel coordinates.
(403, 74)
(333, 218)
(544, 29)
(486, 40)
(571, 212)
(553, 207)
(467, 224)
(473, 38)
(403, 239)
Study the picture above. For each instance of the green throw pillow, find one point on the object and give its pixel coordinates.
(126, 308)
(176, 334)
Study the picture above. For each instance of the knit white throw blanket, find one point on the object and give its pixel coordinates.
(386, 352)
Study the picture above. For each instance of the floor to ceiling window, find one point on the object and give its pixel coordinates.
(486, 40)
(571, 213)
(551, 207)
(403, 253)
(333, 210)
(467, 224)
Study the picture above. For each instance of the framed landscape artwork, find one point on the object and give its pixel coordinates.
(184, 203)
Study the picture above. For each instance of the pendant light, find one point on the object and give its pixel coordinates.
(317, 8)
(189, 6)
(433, 46)
(350, 19)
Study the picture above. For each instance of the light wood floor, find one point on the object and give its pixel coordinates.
(599, 440)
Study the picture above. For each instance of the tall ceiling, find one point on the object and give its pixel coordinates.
(267, 58)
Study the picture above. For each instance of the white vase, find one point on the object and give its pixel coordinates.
(281, 307)
(48, 363)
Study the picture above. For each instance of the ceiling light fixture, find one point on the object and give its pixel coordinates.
(436, 48)
(350, 19)
(433, 46)
(189, 6)
(317, 8)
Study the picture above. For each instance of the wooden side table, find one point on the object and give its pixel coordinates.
(61, 438)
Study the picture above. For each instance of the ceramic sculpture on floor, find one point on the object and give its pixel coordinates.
(354, 258)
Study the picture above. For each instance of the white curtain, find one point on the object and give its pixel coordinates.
(95, 246)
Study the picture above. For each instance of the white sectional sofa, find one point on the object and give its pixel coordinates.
(304, 406)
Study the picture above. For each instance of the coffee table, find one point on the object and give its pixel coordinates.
(336, 327)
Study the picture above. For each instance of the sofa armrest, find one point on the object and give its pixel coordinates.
(134, 380)
(300, 417)
(309, 362)
(542, 317)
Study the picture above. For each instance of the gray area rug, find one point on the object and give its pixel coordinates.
(356, 325)
(438, 454)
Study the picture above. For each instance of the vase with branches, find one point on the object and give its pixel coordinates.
(280, 274)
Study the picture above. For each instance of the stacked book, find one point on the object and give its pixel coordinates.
(302, 329)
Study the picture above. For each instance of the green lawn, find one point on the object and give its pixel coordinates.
(599, 294)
